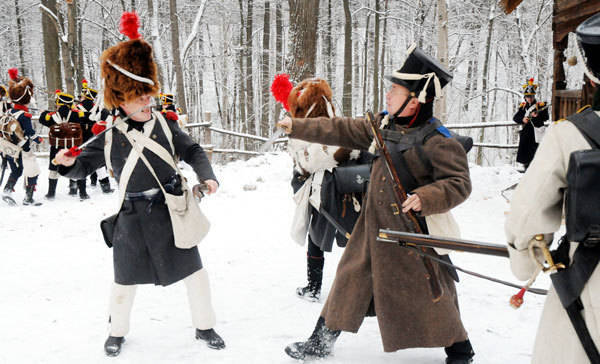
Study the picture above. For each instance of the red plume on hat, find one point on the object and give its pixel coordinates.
(13, 73)
(129, 25)
(281, 88)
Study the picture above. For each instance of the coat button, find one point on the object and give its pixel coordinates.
(379, 203)
(383, 179)
(123, 144)
(427, 277)
(381, 191)
(154, 136)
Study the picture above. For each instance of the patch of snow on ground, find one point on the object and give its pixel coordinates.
(56, 274)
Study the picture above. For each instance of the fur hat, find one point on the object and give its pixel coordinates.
(310, 98)
(128, 68)
(20, 89)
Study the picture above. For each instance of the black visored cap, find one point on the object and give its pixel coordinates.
(418, 62)
(589, 31)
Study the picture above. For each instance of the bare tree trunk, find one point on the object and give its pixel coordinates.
(365, 85)
(80, 55)
(177, 55)
(278, 49)
(20, 38)
(484, 95)
(251, 115)
(156, 44)
(442, 54)
(51, 51)
(376, 60)
(266, 100)
(241, 82)
(304, 15)
(347, 89)
(383, 46)
(328, 52)
(71, 46)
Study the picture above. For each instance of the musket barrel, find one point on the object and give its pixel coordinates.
(430, 241)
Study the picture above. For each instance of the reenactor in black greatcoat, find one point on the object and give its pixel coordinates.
(532, 115)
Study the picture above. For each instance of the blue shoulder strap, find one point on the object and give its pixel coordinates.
(441, 128)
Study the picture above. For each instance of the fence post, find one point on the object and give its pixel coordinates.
(208, 136)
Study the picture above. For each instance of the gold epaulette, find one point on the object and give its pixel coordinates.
(48, 116)
(522, 104)
(541, 104)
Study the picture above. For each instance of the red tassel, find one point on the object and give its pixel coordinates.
(517, 300)
(13, 73)
(281, 88)
(129, 25)
(57, 91)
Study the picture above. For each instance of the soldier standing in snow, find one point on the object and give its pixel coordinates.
(86, 106)
(65, 112)
(20, 90)
(532, 115)
(537, 208)
(315, 191)
(142, 234)
(382, 279)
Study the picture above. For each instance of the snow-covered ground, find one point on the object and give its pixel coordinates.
(55, 275)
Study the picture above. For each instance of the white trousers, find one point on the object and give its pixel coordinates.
(102, 173)
(198, 290)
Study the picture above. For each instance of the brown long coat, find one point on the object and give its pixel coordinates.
(394, 277)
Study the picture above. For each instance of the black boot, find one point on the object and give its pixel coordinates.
(72, 187)
(51, 188)
(9, 187)
(460, 353)
(213, 340)
(82, 193)
(28, 200)
(93, 178)
(112, 345)
(314, 268)
(105, 185)
(319, 344)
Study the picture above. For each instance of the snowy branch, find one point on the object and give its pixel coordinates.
(54, 19)
(194, 32)
(117, 36)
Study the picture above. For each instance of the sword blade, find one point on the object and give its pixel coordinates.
(278, 133)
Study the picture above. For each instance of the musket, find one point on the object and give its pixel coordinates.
(400, 197)
(431, 241)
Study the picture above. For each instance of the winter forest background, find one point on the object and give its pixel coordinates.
(220, 56)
